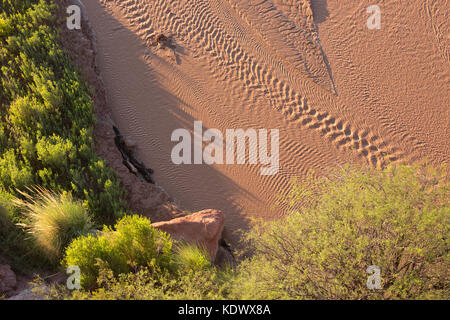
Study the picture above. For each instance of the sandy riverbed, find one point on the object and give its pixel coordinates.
(337, 91)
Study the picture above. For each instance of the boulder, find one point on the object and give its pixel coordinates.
(203, 228)
(8, 279)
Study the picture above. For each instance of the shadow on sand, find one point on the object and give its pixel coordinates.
(153, 117)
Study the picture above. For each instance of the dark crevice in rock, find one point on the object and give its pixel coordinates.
(225, 256)
(128, 159)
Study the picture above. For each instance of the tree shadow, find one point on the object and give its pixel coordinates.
(321, 14)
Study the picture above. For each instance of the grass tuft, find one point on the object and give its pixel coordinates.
(192, 257)
(53, 220)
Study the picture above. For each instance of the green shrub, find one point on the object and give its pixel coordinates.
(141, 244)
(88, 253)
(145, 284)
(46, 134)
(396, 219)
(133, 244)
(53, 220)
(189, 276)
(47, 114)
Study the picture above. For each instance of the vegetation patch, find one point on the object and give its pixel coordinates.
(47, 118)
(355, 219)
(53, 220)
(134, 243)
(396, 219)
(54, 190)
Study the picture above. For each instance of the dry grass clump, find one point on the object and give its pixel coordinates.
(53, 219)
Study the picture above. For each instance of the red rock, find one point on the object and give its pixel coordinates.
(202, 228)
(8, 279)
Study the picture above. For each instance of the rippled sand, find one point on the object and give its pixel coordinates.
(337, 91)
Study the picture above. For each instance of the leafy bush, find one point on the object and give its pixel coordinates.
(134, 243)
(47, 114)
(145, 284)
(141, 244)
(396, 219)
(135, 254)
(46, 125)
(54, 220)
(88, 253)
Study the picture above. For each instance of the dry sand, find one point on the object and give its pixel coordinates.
(337, 91)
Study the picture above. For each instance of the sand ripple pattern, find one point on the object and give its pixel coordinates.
(262, 49)
(259, 64)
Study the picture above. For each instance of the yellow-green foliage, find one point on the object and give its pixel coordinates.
(4, 220)
(46, 123)
(205, 284)
(15, 246)
(132, 244)
(47, 114)
(396, 219)
(53, 220)
(192, 257)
